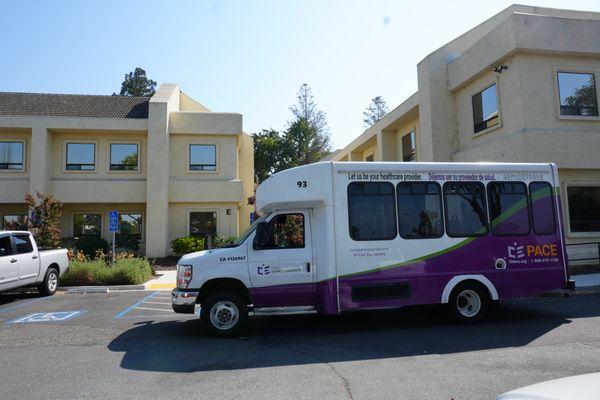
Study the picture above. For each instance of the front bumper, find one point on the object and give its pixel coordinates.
(183, 301)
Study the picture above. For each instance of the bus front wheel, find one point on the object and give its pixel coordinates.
(224, 314)
(469, 303)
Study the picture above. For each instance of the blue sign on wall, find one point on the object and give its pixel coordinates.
(113, 221)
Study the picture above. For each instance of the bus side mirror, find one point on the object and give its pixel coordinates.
(262, 237)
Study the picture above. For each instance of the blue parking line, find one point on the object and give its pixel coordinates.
(24, 304)
(128, 309)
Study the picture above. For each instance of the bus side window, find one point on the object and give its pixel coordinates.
(372, 211)
(420, 210)
(509, 208)
(465, 209)
(542, 208)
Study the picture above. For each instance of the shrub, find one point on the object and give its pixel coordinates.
(127, 271)
(90, 245)
(187, 244)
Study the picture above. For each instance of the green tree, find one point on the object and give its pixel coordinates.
(306, 140)
(376, 110)
(303, 144)
(45, 212)
(137, 84)
(269, 153)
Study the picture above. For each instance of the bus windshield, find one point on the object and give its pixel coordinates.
(242, 238)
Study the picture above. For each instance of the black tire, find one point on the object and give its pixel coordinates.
(469, 303)
(50, 283)
(231, 309)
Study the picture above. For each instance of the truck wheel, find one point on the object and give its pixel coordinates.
(224, 314)
(50, 284)
(469, 303)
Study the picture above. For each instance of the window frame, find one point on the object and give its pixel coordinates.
(528, 207)
(395, 210)
(101, 227)
(23, 142)
(66, 157)
(201, 210)
(487, 225)
(272, 218)
(575, 70)
(443, 219)
(414, 143)
(571, 233)
(554, 210)
(2, 225)
(189, 158)
(481, 89)
(124, 171)
(119, 234)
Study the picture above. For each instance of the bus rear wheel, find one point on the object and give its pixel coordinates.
(469, 303)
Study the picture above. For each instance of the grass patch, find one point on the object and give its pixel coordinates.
(128, 271)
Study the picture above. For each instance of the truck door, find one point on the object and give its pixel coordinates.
(28, 263)
(282, 273)
(9, 275)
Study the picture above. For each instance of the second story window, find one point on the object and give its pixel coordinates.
(408, 147)
(81, 157)
(203, 157)
(123, 157)
(485, 109)
(577, 93)
(11, 156)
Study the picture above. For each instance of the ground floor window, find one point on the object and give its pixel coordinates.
(87, 225)
(14, 222)
(203, 223)
(130, 225)
(584, 208)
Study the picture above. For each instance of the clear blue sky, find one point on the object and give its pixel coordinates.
(240, 56)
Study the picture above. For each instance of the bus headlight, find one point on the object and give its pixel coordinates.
(184, 276)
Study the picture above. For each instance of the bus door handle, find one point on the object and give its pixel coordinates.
(308, 267)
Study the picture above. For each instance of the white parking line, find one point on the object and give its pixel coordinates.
(154, 309)
(157, 302)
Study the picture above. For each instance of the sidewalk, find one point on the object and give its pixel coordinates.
(164, 281)
(586, 281)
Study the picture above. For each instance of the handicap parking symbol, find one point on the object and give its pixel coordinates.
(58, 316)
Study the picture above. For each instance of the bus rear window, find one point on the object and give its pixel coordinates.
(372, 211)
(466, 214)
(509, 211)
(542, 208)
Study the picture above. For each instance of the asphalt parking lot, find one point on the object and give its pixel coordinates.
(131, 345)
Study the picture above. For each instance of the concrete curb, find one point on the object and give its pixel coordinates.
(100, 289)
(582, 291)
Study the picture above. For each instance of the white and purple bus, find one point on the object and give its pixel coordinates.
(342, 236)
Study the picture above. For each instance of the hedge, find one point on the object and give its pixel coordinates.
(129, 271)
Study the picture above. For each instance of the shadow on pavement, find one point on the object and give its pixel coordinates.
(22, 294)
(278, 341)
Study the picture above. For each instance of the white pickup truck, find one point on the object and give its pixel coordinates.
(22, 264)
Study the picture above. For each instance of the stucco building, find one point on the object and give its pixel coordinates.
(170, 166)
(520, 87)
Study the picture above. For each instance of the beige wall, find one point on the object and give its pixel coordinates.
(227, 225)
(163, 189)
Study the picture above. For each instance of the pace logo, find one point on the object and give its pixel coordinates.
(516, 252)
(264, 269)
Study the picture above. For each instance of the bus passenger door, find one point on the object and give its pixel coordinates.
(281, 271)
